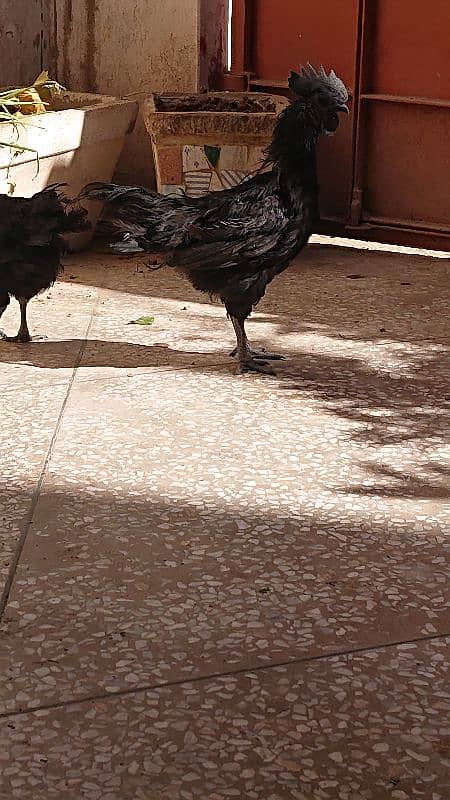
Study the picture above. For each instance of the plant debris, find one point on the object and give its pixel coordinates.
(18, 104)
(214, 102)
(142, 321)
(28, 100)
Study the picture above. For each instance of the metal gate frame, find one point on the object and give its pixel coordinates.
(359, 222)
(359, 217)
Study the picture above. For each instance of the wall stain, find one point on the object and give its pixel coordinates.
(91, 47)
(67, 33)
(54, 49)
(88, 80)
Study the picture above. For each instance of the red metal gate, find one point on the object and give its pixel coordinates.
(386, 174)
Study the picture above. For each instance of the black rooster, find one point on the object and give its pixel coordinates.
(231, 244)
(31, 246)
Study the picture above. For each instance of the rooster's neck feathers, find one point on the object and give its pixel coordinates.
(292, 150)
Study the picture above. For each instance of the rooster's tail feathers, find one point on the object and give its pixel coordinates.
(52, 211)
(109, 192)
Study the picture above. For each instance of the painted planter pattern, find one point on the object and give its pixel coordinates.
(197, 169)
(202, 151)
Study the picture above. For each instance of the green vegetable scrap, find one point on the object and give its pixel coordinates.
(142, 321)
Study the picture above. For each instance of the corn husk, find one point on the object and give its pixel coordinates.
(35, 99)
(30, 102)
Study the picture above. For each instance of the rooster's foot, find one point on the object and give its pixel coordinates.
(20, 338)
(250, 364)
(260, 355)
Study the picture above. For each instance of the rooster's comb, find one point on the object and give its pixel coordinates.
(308, 79)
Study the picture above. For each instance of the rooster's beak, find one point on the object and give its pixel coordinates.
(344, 109)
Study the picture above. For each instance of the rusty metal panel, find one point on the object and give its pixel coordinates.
(410, 48)
(389, 166)
(300, 32)
(334, 163)
(285, 34)
(407, 164)
(21, 38)
(402, 155)
(213, 46)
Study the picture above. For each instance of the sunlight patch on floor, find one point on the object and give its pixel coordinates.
(380, 247)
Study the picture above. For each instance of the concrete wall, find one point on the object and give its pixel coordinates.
(121, 47)
(20, 43)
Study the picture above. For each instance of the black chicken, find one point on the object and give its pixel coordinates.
(31, 246)
(231, 244)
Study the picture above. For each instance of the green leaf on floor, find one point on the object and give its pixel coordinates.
(142, 321)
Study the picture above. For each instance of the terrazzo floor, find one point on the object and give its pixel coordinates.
(227, 587)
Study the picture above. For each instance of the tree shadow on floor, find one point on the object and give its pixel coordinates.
(150, 630)
(338, 316)
(405, 485)
(388, 409)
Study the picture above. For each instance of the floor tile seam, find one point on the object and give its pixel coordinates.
(27, 521)
(149, 370)
(176, 368)
(199, 679)
(160, 371)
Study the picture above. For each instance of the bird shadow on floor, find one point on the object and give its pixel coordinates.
(99, 353)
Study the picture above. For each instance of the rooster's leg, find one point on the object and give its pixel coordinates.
(258, 355)
(4, 302)
(23, 334)
(248, 362)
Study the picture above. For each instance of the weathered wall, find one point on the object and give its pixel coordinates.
(23, 40)
(117, 47)
(129, 46)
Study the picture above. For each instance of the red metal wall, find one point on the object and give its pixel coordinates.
(288, 33)
(402, 149)
(387, 171)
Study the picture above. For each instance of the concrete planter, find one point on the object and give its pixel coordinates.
(209, 142)
(79, 142)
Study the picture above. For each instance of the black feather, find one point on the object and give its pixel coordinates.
(31, 241)
(233, 243)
